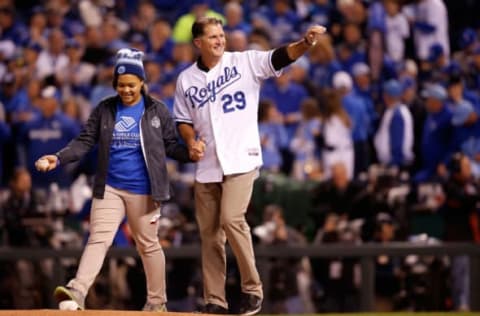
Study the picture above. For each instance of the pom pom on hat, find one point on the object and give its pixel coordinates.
(129, 61)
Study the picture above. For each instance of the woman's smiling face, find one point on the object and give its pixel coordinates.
(129, 88)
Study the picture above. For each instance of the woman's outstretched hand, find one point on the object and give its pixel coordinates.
(46, 163)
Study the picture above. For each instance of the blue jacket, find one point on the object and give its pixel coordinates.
(437, 138)
(357, 110)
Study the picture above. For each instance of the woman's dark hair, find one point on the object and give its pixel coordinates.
(198, 26)
(332, 105)
(309, 108)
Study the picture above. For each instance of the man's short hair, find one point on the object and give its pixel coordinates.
(198, 26)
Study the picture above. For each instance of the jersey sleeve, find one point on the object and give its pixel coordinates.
(260, 62)
(181, 108)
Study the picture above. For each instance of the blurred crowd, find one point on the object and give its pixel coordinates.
(381, 115)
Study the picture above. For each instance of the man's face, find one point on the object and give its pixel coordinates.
(455, 91)
(212, 42)
(49, 106)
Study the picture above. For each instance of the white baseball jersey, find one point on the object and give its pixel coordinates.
(382, 139)
(433, 12)
(222, 105)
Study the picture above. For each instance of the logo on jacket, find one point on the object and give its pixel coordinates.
(155, 122)
(199, 96)
(125, 124)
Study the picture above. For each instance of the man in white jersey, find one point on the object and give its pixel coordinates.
(216, 100)
(429, 19)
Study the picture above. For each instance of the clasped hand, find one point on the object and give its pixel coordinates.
(46, 163)
(196, 149)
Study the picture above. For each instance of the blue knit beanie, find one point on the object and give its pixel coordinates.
(129, 61)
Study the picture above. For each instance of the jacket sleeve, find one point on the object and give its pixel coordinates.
(173, 148)
(84, 142)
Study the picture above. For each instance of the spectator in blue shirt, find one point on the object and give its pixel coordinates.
(457, 93)
(160, 41)
(234, 19)
(103, 82)
(63, 18)
(435, 68)
(23, 107)
(279, 19)
(436, 146)
(287, 95)
(468, 44)
(12, 27)
(273, 136)
(8, 88)
(472, 73)
(323, 63)
(353, 48)
(48, 133)
(364, 89)
(319, 12)
(467, 133)
(394, 137)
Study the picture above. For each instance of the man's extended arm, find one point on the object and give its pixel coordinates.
(285, 55)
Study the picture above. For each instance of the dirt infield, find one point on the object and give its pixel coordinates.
(52, 312)
(94, 312)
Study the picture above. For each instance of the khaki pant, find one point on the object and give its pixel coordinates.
(105, 218)
(220, 211)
